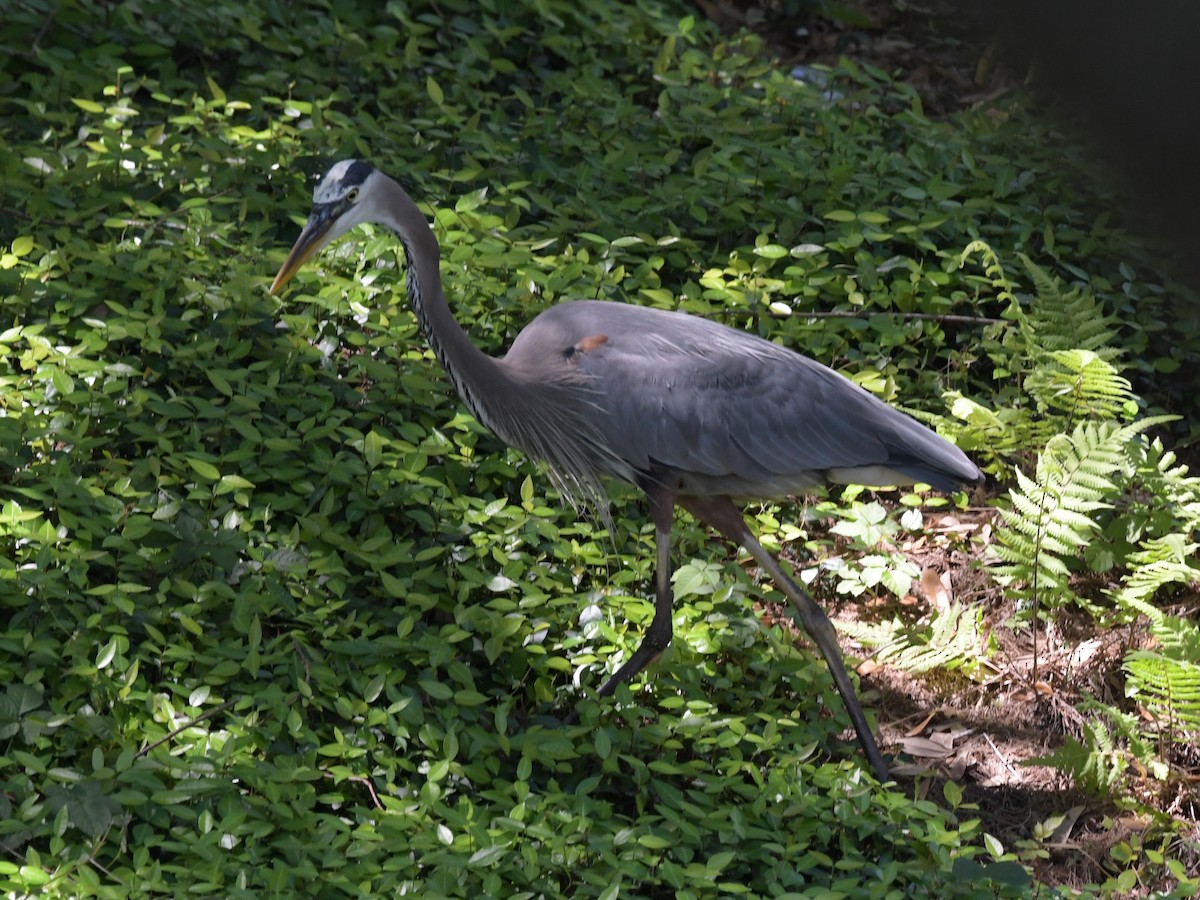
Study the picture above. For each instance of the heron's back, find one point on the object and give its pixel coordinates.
(726, 411)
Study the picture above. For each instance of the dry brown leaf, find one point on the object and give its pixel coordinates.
(957, 767)
(1066, 826)
(913, 732)
(868, 667)
(934, 590)
(930, 749)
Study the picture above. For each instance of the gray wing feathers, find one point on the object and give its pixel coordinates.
(732, 410)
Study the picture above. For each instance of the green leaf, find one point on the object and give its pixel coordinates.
(63, 383)
(374, 688)
(435, 689)
(994, 847)
(229, 483)
(373, 445)
(34, 876)
(219, 381)
(719, 861)
(434, 91)
(90, 809)
(105, 657)
(487, 856)
(654, 842)
(204, 469)
(501, 583)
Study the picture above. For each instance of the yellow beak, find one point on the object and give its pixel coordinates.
(312, 238)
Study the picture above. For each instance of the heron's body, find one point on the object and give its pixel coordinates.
(693, 412)
(725, 412)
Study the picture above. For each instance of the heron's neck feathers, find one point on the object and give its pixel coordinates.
(469, 368)
(534, 411)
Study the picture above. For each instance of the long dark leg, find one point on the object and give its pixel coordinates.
(658, 635)
(721, 514)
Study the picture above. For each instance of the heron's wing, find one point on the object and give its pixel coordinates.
(696, 397)
(723, 409)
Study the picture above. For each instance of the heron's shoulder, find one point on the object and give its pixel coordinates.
(639, 329)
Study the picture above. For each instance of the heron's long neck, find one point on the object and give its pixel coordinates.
(471, 370)
(542, 411)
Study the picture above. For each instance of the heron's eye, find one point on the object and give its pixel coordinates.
(353, 195)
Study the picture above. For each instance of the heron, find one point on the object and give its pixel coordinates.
(694, 413)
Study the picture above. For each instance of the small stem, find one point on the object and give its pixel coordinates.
(186, 725)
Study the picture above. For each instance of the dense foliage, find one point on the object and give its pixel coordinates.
(279, 617)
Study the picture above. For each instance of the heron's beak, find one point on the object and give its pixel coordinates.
(312, 238)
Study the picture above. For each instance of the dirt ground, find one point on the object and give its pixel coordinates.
(982, 733)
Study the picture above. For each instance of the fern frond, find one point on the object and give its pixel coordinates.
(1169, 487)
(1160, 562)
(1179, 638)
(1094, 763)
(1079, 383)
(871, 634)
(953, 640)
(1103, 756)
(992, 267)
(1061, 347)
(993, 434)
(1145, 581)
(1070, 320)
(1052, 514)
(1169, 688)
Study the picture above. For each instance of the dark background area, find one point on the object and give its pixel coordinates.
(1127, 76)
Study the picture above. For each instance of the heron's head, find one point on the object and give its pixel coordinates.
(344, 198)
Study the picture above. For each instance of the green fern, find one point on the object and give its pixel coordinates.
(1060, 349)
(1080, 384)
(1065, 386)
(992, 267)
(1167, 688)
(1059, 320)
(1095, 763)
(1101, 758)
(1057, 346)
(953, 640)
(1165, 682)
(1160, 562)
(1052, 514)
(993, 436)
(1168, 506)
(1054, 320)
(1179, 638)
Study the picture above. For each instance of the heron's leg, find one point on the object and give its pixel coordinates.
(658, 635)
(721, 514)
